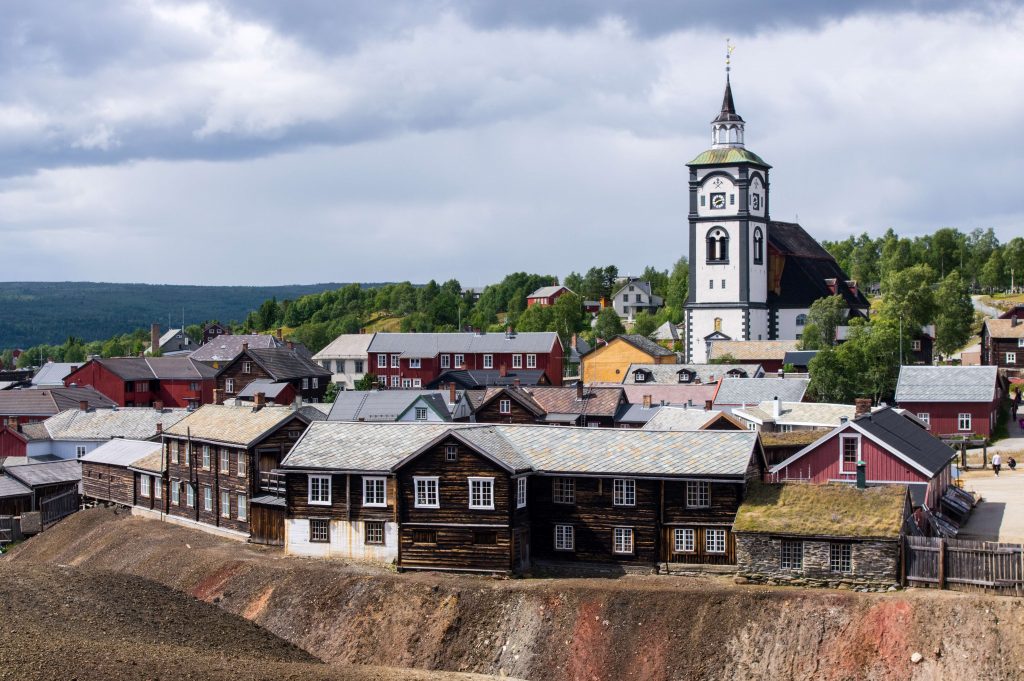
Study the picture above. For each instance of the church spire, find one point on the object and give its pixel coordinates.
(727, 128)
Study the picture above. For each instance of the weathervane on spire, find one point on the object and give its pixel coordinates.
(729, 49)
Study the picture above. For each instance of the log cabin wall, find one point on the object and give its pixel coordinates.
(149, 500)
(491, 413)
(454, 536)
(108, 483)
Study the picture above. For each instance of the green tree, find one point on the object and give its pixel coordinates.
(828, 378)
(825, 315)
(955, 315)
(908, 295)
(367, 382)
(644, 324)
(993, 274)
(567, 316)
(331, 393)
(678, 287)
(608, 324)
(536, 318)
(658, 279)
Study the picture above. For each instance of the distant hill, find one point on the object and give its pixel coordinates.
(49, 312)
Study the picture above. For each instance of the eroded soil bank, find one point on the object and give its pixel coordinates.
(586, 629)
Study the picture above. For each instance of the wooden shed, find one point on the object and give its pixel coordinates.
(54, 485)
(105, 470)
(15, 498)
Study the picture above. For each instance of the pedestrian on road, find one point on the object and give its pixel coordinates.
(1012, 463)
(996, 462)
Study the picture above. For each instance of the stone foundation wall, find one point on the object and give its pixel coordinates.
(875, 564)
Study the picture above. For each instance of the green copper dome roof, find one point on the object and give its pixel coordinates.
(713, 157)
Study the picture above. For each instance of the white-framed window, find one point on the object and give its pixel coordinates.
(1020, 342)
(1011, 358)
(395, 381)
(624, 492)
(531, 361)
(188, 454)
(460, 360)
(791, 555)
(358, 366)
(225, 461)
(173, 447)
(243, 507)
(225, 505)
(520, 492)
(623, 540)
(382, 361)
(417, 383)
(305, 384)
(563, 490)
(229, 386)
(374, 532)
(406, 382)
(190, 496)
(840, 558)
(175, 492)
(414, 363)
(246, 367)
(565, 538)
(207, 498)
(206, 457)
(143, 485)
(963, 421)
(316, 382)
(925, 418)
(395, 363)
(751, 425)
(382, 381)
(320, 490)
(698, 494)
(517, 361)
(319, 530)
(375, 491)
(80, 451)
(481, 493)
(915, 345)
(446, 361)
(451, 452)
(683, 540)
(505, 406)
(241, 464)
(849, 453)
(714, 541)
(426, 492)
(142, 386)
(421, 413)
(488, 361)
(158, 488)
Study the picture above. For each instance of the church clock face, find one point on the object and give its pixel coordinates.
(755, 201)
(718, 201)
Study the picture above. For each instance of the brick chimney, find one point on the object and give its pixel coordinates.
(158, 405)
(1014, 321)
(647, 401)
(451, 393)
(280, 334)
(851, 284)
(154, 337)
(708, 404)
(83, 405)
(245, 345)
(260, 400)
(502, 370)
(291, 345)
(831, 284)
(218, 396)
(159, 428)
(515, 382)
(579, 390)
(862, 406)
(781, 373)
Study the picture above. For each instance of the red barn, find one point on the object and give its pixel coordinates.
(894, 448)
(144, 381)
(951, 400)
(412, 360)
(546, 295)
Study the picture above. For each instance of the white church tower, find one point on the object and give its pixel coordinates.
(728, 239)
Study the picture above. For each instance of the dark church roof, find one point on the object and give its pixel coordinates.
(806, 271)
(728, 113)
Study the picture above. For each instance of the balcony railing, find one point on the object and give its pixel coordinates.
(272, 482)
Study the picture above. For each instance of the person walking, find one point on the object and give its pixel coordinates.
(996, 463)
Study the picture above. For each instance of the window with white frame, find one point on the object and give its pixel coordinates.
(225, 461)
(406, 382)
(563, 490)
(460, 360)
(751, 425)
(414, 362)
(320, 490)
(520, 492)
(1020, 342)
(229, 385)
(142, 386)
(358, 366)
(382, 361)
(791, 555)
(375, 491)
(395, 381)
(488, 361)
(225, 504)
(207, 498)
(925, 418)
(243, 507)
(517, 361)
(241, 464)
(840, 558)
(173, 448)
(316, 383)
(188, 454)
(374, 532)
(698, 494)
(382, 381)
(421, 413)
(1011, 358)
(144, 485)
(849, 446)
(175, 492)
(623, 540)
(395, 361)
(915, 345)
(505, 406)
(451, 452)
(80, 451)
(714, 541)
(206, 457)
(417, 383)
(565, 538)
(481, 493)
(446, 361)
(246, 367)
(426, 492)
(158, 492)
(319, 530)
(190, 496)
(531, 361)
(305, 384)
(683, 540)
(624, 492)
(964, 421)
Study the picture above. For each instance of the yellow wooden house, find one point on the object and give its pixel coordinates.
(609, 363)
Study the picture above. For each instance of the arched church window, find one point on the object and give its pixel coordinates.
(801, 320)
(758, 246)
(718, 245)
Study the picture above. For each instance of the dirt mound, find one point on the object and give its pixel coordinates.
(588, 629)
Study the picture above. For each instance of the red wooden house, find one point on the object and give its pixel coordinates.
(951, 400)
(412, 360)
(546, 295)
(144, 381)
(894, 449)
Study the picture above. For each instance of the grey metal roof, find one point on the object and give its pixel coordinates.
(226, 347)
(42, 474)
(680, 418)
(268, 386)
(346, 346)
(121, 452)
(431, 344)
(546, 291)
(52, 374)
(49, 401)
(738, 391)
(379, 447)
(9, 487)
(799, 358)
(383, 405)
(136, 423)
(645, 344)
(947, 384)
(701, 373)
(667, 332)
(269, 500)
(636, 413)
(819, 414)
(284, 364)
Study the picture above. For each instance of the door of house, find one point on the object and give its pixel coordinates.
(522, 539)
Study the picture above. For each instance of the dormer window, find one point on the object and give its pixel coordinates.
(685, 376)
(640, 376)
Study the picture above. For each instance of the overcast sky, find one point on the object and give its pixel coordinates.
(269, 142)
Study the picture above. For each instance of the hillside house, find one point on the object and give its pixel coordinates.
(1002, 343)
(668, 335)
(107, 477)
(295, 374)
(546, 295)
(172, 343)
(345, 357)
(148, 381)
(634, 297)
(951, 400)
(564, 405)
(610, 362)
(464, 379)
(226, 347)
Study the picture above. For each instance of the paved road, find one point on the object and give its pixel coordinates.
(985, 309)
(1000, 514)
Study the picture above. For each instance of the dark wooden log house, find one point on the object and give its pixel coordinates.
(107, 476)
(306, 378)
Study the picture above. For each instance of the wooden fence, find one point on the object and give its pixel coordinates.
(10, 529)
(964, 565)
(59, 506)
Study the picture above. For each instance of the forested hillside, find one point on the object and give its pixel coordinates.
(49, 312)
